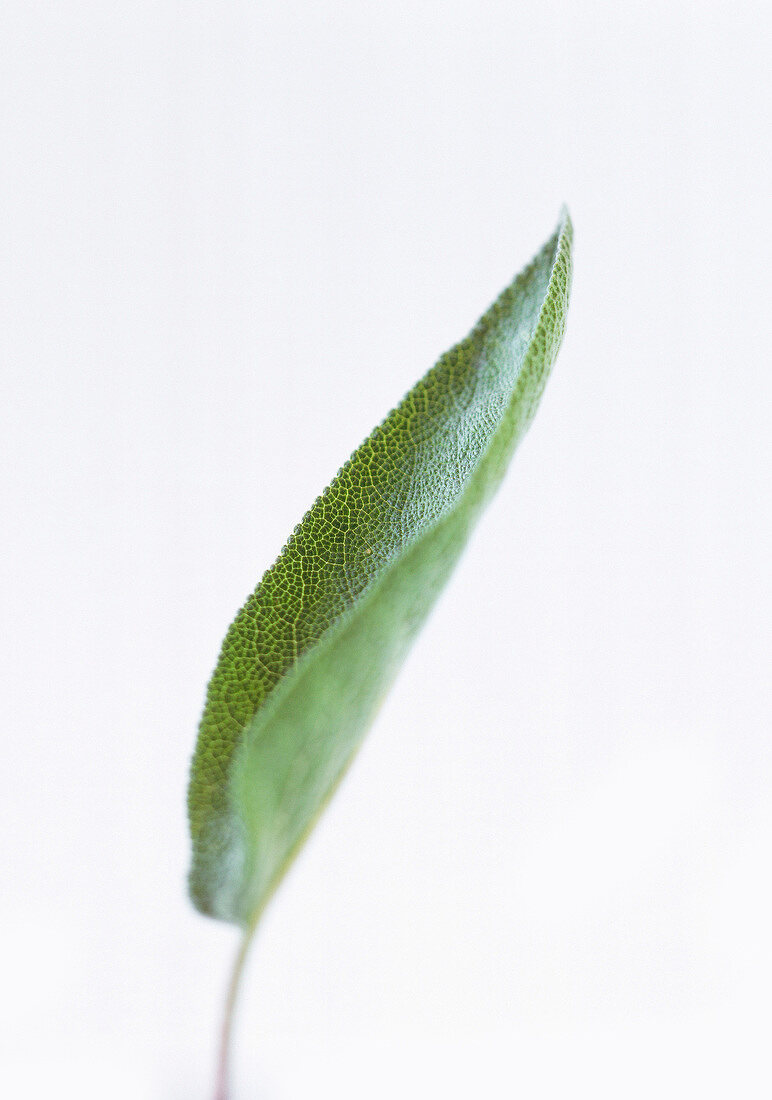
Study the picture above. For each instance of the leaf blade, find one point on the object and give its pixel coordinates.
(313, 650)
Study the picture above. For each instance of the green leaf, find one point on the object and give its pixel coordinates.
(312, 652)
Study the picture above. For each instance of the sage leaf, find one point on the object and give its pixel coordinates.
(315, 647)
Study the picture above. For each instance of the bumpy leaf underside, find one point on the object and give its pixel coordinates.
(310, 655)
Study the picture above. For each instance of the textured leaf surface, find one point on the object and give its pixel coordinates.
(312, 652)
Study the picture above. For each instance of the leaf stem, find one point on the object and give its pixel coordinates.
(221, 1083)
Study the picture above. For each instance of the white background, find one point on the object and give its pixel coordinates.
(233, 234)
